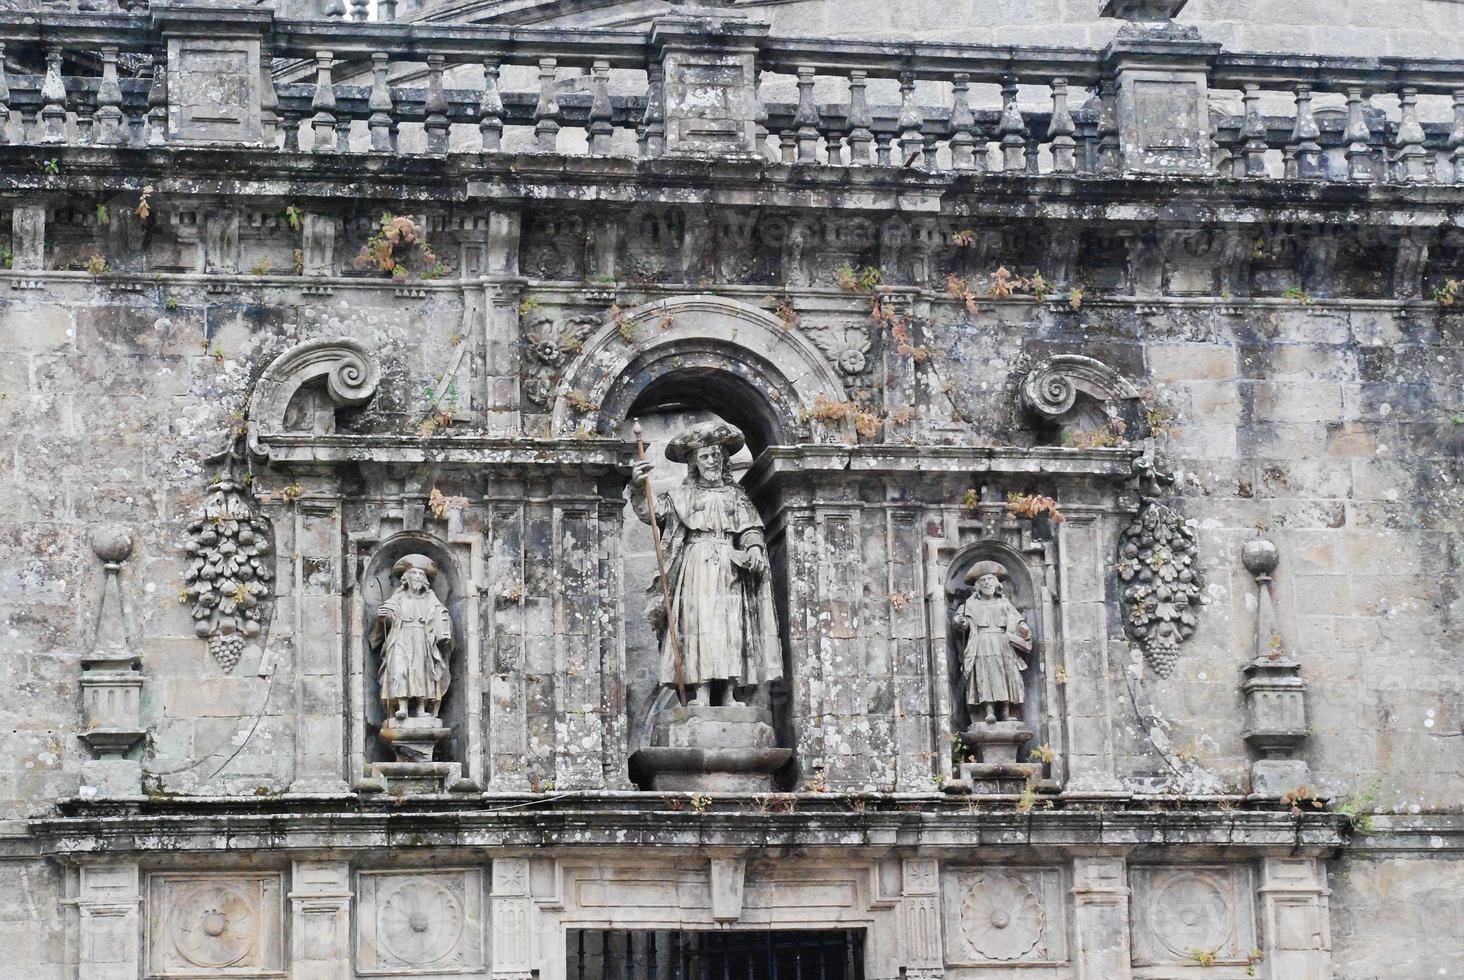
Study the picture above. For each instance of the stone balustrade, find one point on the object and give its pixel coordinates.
(1155, 102)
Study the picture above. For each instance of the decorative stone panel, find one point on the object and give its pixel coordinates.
(215, 925)
(1004, 915)
(1183, 911)
(419, 923)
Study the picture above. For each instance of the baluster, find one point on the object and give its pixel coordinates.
(157, 104)
(912, 144)
(882, 143)
(269, 104)
(654, 141)
(386, 10)
(1061, 130)
(1359, 137)
(53, 98)
(109, 101)
(602, 128)
(490, 110)
(1412, 158)
(1012, 129)
(292, 120)
(335, 9)
(788, 146)
(861, 139)
(1456, 137)
(137, 112)
(436, 125)
(324, 104)
(1253, 133)
(4, 99)
(1108, 145)
(358, 9)
(963, 121)
(85, 111)
(343, 133)
(806, 119)
(380, 103)
(1307, 152)
(546, 113)
(759, 116)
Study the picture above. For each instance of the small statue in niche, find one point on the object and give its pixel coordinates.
(414, 631)
(996, 637)
(720, 624)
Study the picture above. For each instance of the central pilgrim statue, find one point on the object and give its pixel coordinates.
(721, 620)
(712, 607)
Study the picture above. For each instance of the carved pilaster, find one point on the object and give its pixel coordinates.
(1295, 918)
(513, 912)
(1100, 919)
(919, 914)
(108, 903)
(320, 920)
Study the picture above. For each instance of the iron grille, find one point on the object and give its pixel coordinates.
(619, 954)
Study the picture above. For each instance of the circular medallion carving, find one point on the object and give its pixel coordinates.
(215, 925)
(1001, 917)
(420, 921)
(1190, 911)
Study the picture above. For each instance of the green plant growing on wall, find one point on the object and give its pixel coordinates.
(527, 305)
(1297, 294)
(1357, 810)
(291, 214)
(7, 257)
(1449, 293)
(96, 264)
(1205, 957)
(395, 247)
(1028, 506)
(104, 216)
(51, 167)
(260, 268)
(784, 311)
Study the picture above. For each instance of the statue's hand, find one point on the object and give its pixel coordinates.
(753, 560)
(640, 471)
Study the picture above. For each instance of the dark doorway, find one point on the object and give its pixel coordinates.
(660, 954)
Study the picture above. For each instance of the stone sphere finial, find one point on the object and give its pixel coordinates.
(1260, 556)
(112, 543)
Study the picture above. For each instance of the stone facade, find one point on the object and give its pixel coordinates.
(1162, 328)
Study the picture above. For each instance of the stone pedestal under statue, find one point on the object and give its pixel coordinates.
(718, 749)
(414, 740)
(1000, 768)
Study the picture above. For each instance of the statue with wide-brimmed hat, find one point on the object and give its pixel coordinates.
(713, 609)
(414, 632)
(996, 637)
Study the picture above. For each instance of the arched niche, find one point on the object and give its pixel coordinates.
(1021, 588)
(451, 586)
(744, 362)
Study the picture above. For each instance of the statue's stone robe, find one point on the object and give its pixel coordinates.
(415, 634)
(993, 668)
(724, 614)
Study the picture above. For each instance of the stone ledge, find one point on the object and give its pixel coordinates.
(939, 825)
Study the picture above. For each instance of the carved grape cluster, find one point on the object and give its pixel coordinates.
(1158, 566)
(227, 581)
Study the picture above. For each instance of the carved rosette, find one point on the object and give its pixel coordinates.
(228, 580)
(1158, 565)
(419, 923)
(1001, 917)
(549, 345)
(214, 924)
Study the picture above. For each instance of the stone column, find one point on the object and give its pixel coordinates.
(1295, 918)
(1100, 918)
(215, 83)
(1163, 92)
(108, 906)
(709, 67)
(320, 920)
